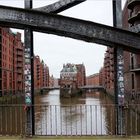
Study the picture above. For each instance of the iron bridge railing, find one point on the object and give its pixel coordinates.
(72, 120)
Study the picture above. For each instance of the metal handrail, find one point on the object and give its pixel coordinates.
(77, 120)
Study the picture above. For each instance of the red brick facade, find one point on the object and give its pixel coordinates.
(46, 76)
(81, 75)
(93, 80)
(41, 73)
(11, 62)
(107, 72)
(73, 75)
(131, 61)
(12, 65)
(102, 77)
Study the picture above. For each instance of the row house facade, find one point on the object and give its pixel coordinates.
(11, 62)
(131, 21)
(41, 73)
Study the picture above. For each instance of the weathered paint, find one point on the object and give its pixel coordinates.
(27, 70)
(119, 59)
(29, 75)
(119, 71)
(59, 6)
(69, 27)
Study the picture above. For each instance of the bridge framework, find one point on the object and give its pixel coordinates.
(78, 29)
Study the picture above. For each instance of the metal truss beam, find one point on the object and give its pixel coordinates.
(69, 27)
(59, 6)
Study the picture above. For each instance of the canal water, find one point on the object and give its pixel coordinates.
(92, 113)
(89, 114)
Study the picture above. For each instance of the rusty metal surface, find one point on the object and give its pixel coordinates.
(59, 6)
(69, 27)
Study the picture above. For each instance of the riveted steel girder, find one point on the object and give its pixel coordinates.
(59, 6)
(69, 27)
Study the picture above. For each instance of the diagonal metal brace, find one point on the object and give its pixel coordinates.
(59, 6)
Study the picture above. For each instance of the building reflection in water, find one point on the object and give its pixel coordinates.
(82, 115)
(93, 113)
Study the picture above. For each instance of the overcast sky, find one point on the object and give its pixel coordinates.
(55, 50)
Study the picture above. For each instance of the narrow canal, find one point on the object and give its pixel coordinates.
(92, 113)
(89, 114)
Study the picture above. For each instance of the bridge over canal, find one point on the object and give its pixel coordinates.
(46, 20)
(92, 88)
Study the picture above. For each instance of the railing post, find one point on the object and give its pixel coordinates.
(118, 71)
(29, 76)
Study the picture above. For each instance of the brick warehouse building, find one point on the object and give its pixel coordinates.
(37, 71)
(73, 74)
(108, 71)
(93, 80)
(130, 21)
(106, 74)
(12, 65)
(102, 77)
(11, 62)
(81, 75)
(46, 75)
(41, 73)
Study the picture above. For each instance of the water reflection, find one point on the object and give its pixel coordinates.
(92, 113)
(70, 116)
(48, 98)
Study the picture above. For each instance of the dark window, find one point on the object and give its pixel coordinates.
(132, 62)
(133, 81)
